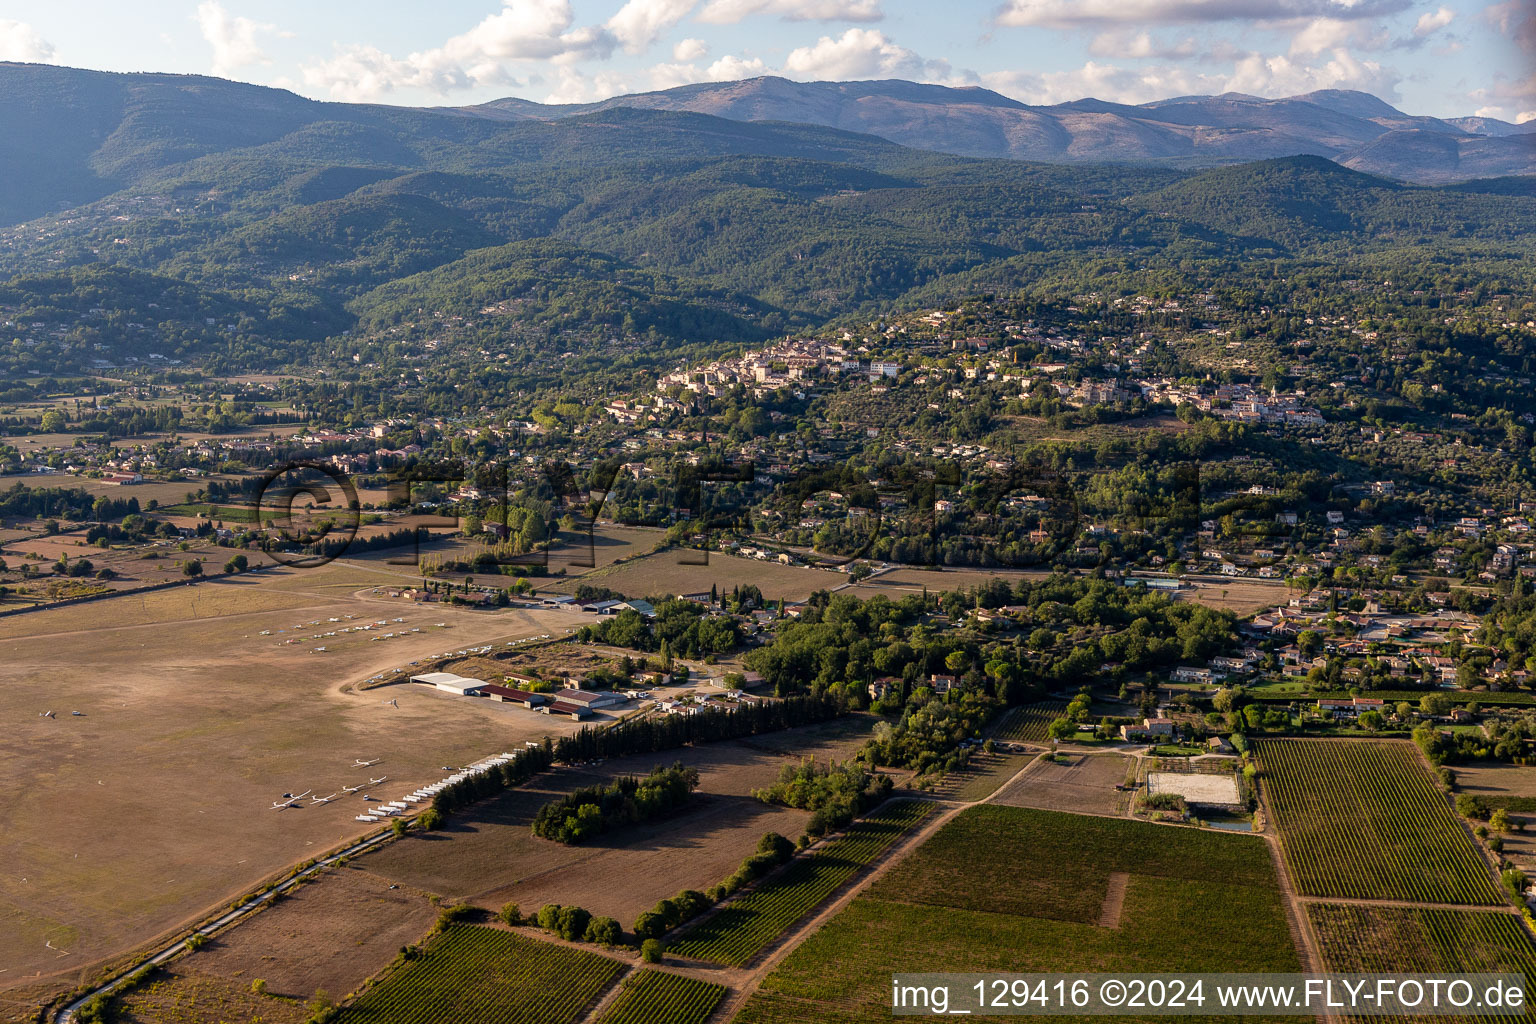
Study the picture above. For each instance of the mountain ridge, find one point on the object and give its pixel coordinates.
(1354, 128)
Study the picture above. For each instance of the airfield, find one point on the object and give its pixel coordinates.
(155, 803)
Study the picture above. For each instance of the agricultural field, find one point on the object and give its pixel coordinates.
(750, 922)
(1426, 940)
(1364, 820)
(1512, 788)
(488, 976)
(487, 854)
(192, 723)
(1028, 724)
(665, 573)
(327, 935)
(1082, 894)
(980, 778)
(1084, 783)
(659, 997)
(186, 997)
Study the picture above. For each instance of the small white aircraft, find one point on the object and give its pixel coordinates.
(350, 789)
(322, 799)
(375, 782)
(45, 714)
(291, 801)
(366, 764)
(395, 702)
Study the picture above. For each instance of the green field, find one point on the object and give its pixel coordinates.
(1028, 724)
(1365, 820)
(490, 977)
(1021, 890)
(224, 513)
(750, 922)
(1426, 940)
(657, 997)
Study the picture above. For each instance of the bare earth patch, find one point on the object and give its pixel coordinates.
(1087, 785)
(153, 806)
(331, 934)
(489, 855)
(1114, 900)
(187, 997)
(1194, 787)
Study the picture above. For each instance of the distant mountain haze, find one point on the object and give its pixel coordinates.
(1354, 128)
(73, 136)
(191, 218)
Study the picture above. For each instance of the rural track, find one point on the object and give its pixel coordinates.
(1308, 950)
(744, 982)
(243, 909)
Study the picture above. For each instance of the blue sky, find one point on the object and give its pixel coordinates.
(1442, 57)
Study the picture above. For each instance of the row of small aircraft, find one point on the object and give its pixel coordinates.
(295, 799)
(50, 714)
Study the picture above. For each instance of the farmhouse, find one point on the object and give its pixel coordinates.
(590, 699)
(1350, 706)
(942, 683)
(1150, 727)
(448, 682)
(507, 695)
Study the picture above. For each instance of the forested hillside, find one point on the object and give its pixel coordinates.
(298, 221)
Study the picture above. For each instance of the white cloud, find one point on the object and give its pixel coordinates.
(235, 40)
(862, 53)
(1525, 117)
(20, 42)
(1076, 13)
(573, 86)
(522, 30)
(1281, 76)
(639, 23)
(1103, 81)
(729, 12)
(689, 50)
(1254, 73)
(1433, 21)
(1515, 19)
(1123, 43)
(1324, 35)
(670, 76)
(731, 68)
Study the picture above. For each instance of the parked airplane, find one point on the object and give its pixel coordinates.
(322, 799)
(351, 789)
(359, 763)
(293, 801)
(375, 782)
